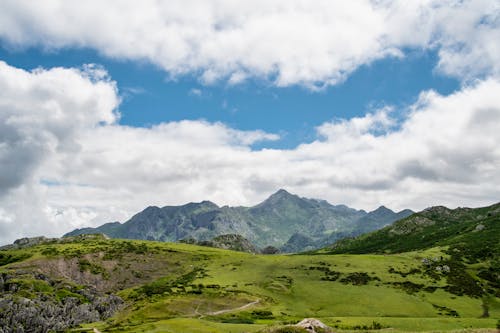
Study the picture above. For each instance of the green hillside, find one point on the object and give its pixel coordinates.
(472, 233)
(169, 287)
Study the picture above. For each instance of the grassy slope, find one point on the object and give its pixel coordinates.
(434, 227)
(183, 285)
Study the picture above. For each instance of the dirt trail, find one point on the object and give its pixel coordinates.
(215, 313)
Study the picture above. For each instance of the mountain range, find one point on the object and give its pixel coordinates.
(284, 220)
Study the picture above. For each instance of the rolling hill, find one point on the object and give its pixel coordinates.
(471, 232)
(88, 282)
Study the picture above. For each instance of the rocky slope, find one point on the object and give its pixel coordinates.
(277, 221)
(28, 304)
(229, 242)
(46, 295)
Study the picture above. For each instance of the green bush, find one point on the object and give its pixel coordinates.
(8, 258)
(357, 278)
(50, 252)
(262, 314)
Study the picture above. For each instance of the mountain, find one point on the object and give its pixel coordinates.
(474, 232)
(380, 218)
(299, 242)
(278, 220)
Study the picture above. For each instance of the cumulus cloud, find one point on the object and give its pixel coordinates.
(41, 112)
(314, 44)
(67, 163)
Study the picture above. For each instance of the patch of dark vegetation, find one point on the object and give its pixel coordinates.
(169, 286)
(287, 280)
(280, 284)
(491, 277)
(9, 258)
(112, 249)
(50, 251)
(405, 274)
(373, 326)
(329, 275)
(84, 265)
(212, 286)
(430, 289)
(242, 317)
(486, 308)
(444, 311)
(408, 286)
(262, 314)
(116, 250)
(459, 282)
(358, 278)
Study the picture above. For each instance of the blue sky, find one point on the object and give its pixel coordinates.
(150, 97)
(363, 103)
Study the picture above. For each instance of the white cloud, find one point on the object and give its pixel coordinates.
(195, 92)
(314, 44)
(41, 112)
(66, 162)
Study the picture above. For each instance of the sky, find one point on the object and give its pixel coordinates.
(109, 107)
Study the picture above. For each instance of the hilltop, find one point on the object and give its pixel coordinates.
(471, 232)
(283, 220)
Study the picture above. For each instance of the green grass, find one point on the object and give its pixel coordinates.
(183, 288)
(411, 324)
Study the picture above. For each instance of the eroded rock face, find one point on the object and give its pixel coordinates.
(50, 310)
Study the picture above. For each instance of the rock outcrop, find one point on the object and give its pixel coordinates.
(36, 304)
(313, 325)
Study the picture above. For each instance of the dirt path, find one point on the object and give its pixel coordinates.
(234, 309)
(215, 313)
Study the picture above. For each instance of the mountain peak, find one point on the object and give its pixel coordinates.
(383, 209)
(281, 195)
(279, 198)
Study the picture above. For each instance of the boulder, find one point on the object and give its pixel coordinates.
(311, 325)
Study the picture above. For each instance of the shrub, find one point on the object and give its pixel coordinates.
(7, 258)
(357, 278)
(262, 314)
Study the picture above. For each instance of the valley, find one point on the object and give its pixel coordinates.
(168, 287)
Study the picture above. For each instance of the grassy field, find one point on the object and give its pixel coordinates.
(185, 288)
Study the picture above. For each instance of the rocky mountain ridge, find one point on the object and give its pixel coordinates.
(283, 220)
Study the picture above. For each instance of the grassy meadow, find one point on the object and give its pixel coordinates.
(169, 287)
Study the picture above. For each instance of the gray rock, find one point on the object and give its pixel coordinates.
(44, 313)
